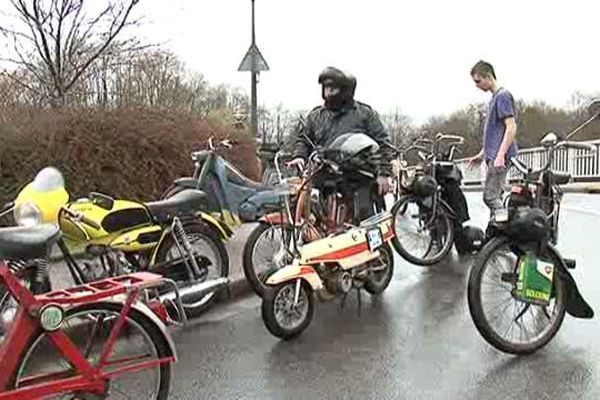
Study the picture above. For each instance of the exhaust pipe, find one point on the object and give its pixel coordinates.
(177, 296)
(196, 289)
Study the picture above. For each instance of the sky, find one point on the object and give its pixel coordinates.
(414, 56)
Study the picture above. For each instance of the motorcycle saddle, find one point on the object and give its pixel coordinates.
(27, 242)
(185, 202)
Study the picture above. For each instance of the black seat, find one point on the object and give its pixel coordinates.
(185, 202)
(27, 243)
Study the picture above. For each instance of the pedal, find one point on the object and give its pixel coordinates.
(570, 263)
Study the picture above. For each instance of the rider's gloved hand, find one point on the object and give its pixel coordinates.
(297, 162)
(384, 185)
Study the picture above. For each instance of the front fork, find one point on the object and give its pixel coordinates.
(186, 252)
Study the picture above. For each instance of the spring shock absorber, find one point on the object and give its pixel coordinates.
(40, 279)
(185, 249)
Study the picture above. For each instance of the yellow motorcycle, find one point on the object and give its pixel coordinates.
(115, 236)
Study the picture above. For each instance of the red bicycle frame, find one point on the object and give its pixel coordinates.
(26, 325)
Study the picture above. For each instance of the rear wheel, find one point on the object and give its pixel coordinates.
(265, 251)
(209, 251)
(381, 271)
(89, 326)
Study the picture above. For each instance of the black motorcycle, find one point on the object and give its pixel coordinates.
(430, 213)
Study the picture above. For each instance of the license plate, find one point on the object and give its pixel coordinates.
(374, 239)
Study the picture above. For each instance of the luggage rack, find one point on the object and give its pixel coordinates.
(104, 288)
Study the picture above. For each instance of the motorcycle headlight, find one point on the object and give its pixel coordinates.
(28, 214)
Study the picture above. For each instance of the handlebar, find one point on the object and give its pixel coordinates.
(441, 136)
(77, 216)
(576, 145)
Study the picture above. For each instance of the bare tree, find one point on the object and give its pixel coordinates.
(57, 41)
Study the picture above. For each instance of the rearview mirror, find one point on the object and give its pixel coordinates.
(549, 140)
(594, 108)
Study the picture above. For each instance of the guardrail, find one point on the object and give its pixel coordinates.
(581, 164)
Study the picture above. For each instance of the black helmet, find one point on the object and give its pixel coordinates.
(338, 78)
(424, 185)
(469, 239)
(528, 225)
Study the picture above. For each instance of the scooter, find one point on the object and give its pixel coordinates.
(360, 257)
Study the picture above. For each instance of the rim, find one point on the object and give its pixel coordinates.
(288, 315)
(416, 237)
(201, 246)
(513, 320)
(89, 331)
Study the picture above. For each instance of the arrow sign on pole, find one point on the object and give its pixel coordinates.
(253, 61)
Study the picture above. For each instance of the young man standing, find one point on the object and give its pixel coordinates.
(499, 134)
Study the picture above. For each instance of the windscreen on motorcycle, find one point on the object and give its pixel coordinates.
(45, 195)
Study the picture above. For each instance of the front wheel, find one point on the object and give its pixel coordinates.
(505, 322)
(420, 237)
(209, 251)
(283, 316)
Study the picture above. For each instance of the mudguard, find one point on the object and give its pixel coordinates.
(149, 314)
(186, 182)
(293, 272)
(576, 305)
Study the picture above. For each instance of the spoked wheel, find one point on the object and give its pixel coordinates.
(421, 238)
(283, 316)
(381, 271)
(89, 326)
(511, 325)
(265, 251)
(210, 253)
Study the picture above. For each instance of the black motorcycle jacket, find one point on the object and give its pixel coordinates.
(323, 125)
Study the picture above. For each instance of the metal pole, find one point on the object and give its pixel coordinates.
(253, 106)
(253, 100)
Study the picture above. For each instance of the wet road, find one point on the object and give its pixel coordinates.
(416, 341)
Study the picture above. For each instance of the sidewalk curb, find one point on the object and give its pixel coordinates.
(590, 189)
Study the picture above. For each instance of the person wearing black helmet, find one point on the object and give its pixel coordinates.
(341, 114)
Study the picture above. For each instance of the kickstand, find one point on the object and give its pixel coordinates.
(343, 302)
(359, 300)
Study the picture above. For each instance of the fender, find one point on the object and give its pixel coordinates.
(148, 313)
(292, 272)
(576, 305)
(224, 234)
(275, 218)
(223, 230)
(186, 182)
(446, 207)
